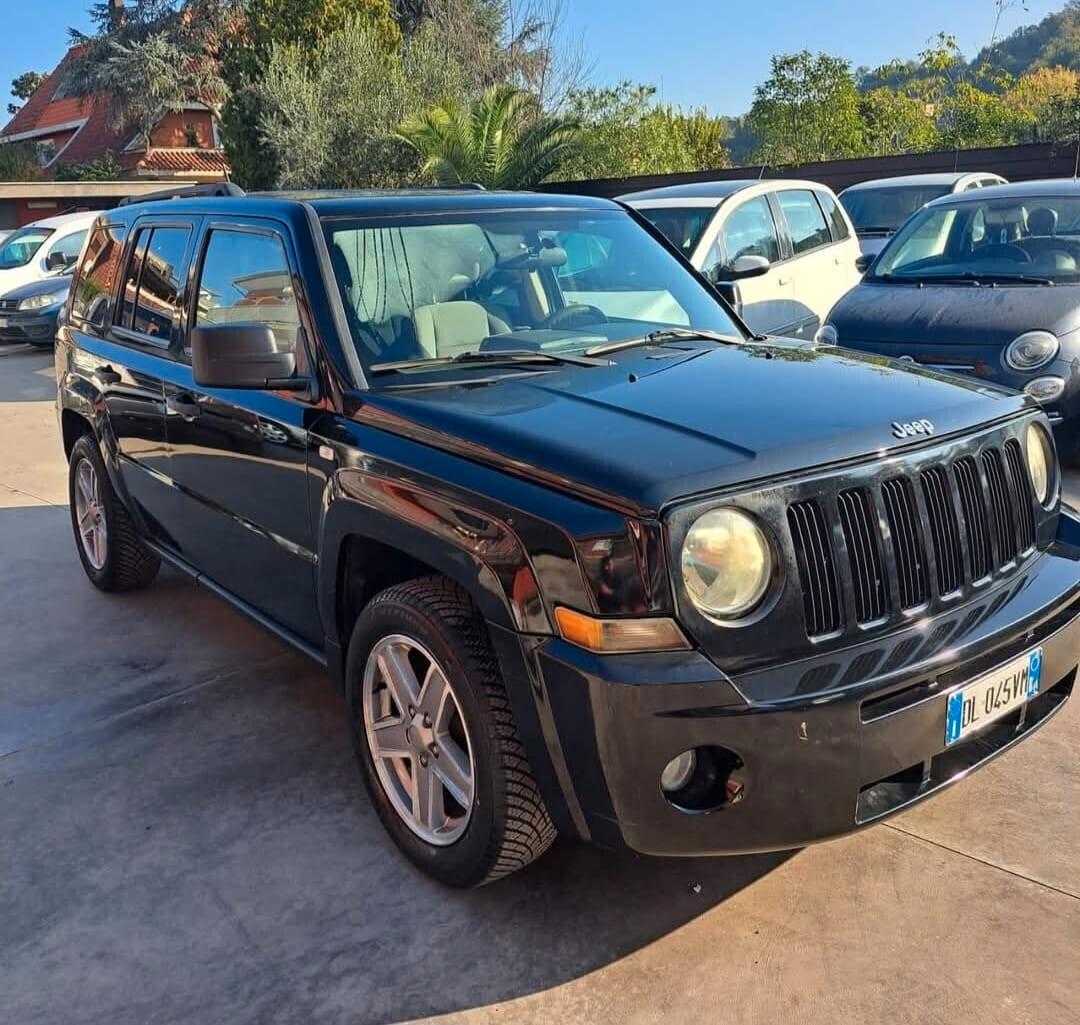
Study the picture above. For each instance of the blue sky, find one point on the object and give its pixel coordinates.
(703, 52)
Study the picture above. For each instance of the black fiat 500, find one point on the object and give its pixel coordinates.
(984, 283)
(583, 554)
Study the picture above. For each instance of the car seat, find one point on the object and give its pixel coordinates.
(450, 328)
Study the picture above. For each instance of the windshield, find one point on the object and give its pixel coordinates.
(1036, 238)
(886, 209)
(553, 281)
(19, 249)
(683, 226)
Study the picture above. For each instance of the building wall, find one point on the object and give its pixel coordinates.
(173, 132)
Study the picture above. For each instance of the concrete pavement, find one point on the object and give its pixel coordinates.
(184, 838)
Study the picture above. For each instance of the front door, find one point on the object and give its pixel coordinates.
(817, 275)
(238, 459)
(766, 303)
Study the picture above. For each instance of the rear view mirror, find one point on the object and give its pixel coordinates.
(743, 267)
(241, 356)
(862, 263)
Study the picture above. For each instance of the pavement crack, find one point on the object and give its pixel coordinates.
(982, 861)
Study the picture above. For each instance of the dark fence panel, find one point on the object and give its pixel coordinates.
(1016, 163)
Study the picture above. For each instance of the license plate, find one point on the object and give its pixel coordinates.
(992, 696)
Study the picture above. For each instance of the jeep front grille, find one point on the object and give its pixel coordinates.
(912, 537)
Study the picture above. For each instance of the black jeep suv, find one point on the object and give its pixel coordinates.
(583, 554)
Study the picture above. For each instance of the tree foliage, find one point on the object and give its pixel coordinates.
(19, 162)
(501, 141)
(23, 87)
(807, 109)
(105, 169)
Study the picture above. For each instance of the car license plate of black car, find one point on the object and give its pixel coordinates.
(993, 695)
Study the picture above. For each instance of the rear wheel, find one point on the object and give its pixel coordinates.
(435, 738)
(113, 556)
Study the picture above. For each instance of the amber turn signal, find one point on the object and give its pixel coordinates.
(619, 635)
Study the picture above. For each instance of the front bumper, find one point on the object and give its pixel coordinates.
(860, 736)
(36, 328)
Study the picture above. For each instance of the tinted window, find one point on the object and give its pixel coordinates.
(682, 226)
(886, 209)
(19, 249)
(69, 247)
(836, 217)
(805, 220)
(749, 230)
(246, 279)
(157, 307)
(92, 299)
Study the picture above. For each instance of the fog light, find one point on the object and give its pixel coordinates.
(677, 772)
(1045, 389)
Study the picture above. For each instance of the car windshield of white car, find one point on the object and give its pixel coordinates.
(1021, 240)
(20, 248)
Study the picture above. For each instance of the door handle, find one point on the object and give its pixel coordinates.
(184, 406)
(107, 375)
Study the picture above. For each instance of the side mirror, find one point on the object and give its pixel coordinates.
(57, 261)
(241, 356)
(743, 267)
(862, 263)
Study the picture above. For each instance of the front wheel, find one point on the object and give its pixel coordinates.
(113, 556)
(433, 732)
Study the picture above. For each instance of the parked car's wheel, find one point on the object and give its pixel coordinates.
(112, 554)
(432, 727)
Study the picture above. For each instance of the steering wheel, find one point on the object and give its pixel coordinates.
(1004, 251)
(576, 315)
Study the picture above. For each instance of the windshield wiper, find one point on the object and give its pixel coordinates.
(667, 334)
(966, 278)
(491, 356)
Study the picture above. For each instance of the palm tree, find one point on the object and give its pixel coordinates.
(501, 141)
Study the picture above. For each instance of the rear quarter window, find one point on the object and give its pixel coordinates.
(92, 295)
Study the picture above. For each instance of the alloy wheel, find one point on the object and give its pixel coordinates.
(90, 514)
(418, 740)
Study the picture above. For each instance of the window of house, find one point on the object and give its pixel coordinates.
(246, 279)
(92, 301)
(805, 220)
(837, 222)
(749, 230)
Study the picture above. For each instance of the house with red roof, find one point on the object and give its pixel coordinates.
(67, 129)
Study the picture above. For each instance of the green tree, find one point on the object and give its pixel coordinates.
(808, 109)
(896, 123)
(23, 87)
(19, 162)
(971, 117)
(624, 132)
(105, 169)
(330, 113)
(501, 140)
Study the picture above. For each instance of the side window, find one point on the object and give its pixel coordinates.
(157, 305)
(749, 230)
(837, 223)
(67, 249)
(91, 300)
(805, 220)
(246, 279)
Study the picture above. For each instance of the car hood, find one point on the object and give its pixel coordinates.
(58, 285)
(953, 314)
(659, 425)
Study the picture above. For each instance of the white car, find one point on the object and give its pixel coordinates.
(42, 249)
(782, 252)
(877, 208)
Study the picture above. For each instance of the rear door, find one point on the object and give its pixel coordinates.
(238, 458)
(124, 365)
(767, 303)
(817, 275)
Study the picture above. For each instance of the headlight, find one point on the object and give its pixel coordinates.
(1040, 460)
(39, 302)
(1031, 350)
(726, 563)
(827, 335)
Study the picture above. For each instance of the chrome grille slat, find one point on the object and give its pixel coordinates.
(816, 568)
(1004, 523)
(907, 541)
(864, 555)
(944, 530)
(1022, 495)
(976, 523)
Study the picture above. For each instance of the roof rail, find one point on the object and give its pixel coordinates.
(457, 185)
(187, 192)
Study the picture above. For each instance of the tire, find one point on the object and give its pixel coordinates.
(506, 825)
(123, 562)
